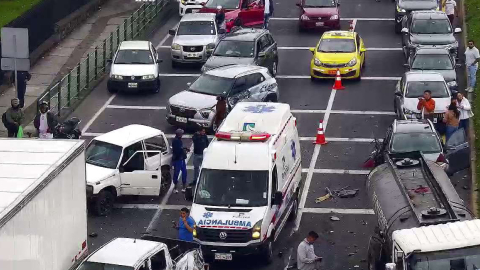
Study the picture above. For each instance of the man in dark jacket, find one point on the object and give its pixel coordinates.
(178, 160)
(220, 110)
(22, 78)
(13, 118)
(200, 142)
(45, 122)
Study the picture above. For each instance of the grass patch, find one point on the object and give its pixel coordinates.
(11, 9)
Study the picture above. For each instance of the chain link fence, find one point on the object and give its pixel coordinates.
(81, 78)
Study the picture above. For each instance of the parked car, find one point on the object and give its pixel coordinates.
(321, 14)
(190, 6)
(195, 38)
(428, 28)
(134, 67)
(246, 47)
(412, 86)
(437, 60)
(404, 6)
(246, 13)
(195, 107)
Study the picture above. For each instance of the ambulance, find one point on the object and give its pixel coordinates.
(249, 182)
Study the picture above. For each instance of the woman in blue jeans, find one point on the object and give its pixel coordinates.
(451, 119)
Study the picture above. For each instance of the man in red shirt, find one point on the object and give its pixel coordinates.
(426, 104)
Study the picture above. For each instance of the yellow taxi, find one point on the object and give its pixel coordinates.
(343, 50)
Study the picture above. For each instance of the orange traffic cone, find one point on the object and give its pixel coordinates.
(338, 81)
(320, 134)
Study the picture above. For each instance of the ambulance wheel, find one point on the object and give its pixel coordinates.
(294, 212)
(267, 252)
(104, 203)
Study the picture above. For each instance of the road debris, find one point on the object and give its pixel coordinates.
(340, 193)
(334, 218)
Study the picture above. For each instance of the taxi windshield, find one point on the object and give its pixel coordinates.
(319, 3)
(432, 62)
(337, 45)
(232, 188)
(204, 28)
(416, 89)
(103, 154)
(409, 142)
(226, 4)
(431, 26)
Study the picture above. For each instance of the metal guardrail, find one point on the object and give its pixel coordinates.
(79, 80)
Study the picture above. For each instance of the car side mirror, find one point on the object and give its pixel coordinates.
(189, 84)
(338, 4)
(458, 65)
(458, 30)
(406, 65)
(159, 61)
(261, 54)
(298, 4)
(121, 169)
(405, 30)
(172, 32)
(109, 61)
(363, 49)
(277, 198)
(398, 93)
(221, 31)
(202, 4)
(312, 50)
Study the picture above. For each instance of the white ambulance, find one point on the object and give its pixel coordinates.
(249, 182)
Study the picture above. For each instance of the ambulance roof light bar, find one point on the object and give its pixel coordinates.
(242, 136)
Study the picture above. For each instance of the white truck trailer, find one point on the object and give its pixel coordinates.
(43, 214)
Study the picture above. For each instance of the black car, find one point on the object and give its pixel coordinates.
(403, 7)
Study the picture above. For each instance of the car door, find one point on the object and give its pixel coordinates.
(457, 150)
(267, 45)
(136, 176)
(258, 87)
(251, 12)
(156, 151)
(360, 48)
(239, 91)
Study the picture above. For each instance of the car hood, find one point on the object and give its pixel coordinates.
(432, 39)
(440, 104)
(417, 5)
(194, 100)
(194, 40)
(320, 11)
(133, 70)
(448, 75)
(219, 61)
(97, 173)
(332, 58)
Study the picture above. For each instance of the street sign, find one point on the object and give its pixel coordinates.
(9, 64)
(15, 43)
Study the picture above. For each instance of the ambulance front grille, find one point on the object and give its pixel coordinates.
(232, 236)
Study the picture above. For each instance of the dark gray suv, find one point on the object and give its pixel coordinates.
(245, 47)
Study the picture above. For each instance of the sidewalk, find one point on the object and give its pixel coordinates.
(68, 53)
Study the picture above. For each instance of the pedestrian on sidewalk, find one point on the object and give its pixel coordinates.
(185, 225)
(306, 258)
(451, 119)
(200, 142)
(221, 110)
(472, 57)
(178, 160)
(22, 78)
(13, 118)
(45, 122)
(451, 10)
(267, 13)
(465, 112)
(426, 105)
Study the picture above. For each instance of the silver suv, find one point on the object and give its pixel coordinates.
(195, 107)
(195, 38)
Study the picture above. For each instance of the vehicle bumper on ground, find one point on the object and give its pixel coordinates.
(319, 24)
(236, 251)
(185, 55)
(330, 73)
(129, 85)
(179, 121)
(188, 8)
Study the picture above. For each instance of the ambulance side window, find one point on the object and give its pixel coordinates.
(274, 181)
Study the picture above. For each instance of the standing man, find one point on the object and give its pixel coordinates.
(220, 111)
(306, 258)
(471, 63)
(426, 105)
(178, 160)
(45, 122)
(200, 142)
(13, 118)
(267, 13)
(466, 113)
(22, 78)
(220, 18)
(451, 10)
(185, 225)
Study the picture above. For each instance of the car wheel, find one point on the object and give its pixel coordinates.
(267, 252)
(294, 212)
(104, 203)
(274, 69)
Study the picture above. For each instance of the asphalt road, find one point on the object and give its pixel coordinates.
(352, 118)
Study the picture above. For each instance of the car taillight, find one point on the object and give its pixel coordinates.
(441, 158)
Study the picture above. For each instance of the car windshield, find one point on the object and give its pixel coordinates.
(212, 85)
(139, 57)
(226, 4)
(416, 89)
(319, 3)
(458, 259)
(232, 188)
(103, 266)
(233, 48)
(431, 26)
(432, 62)
(200, 28)
(337, 45)
(103, 154)
(408, 142)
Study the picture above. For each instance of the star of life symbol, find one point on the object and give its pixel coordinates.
(259, 109)
(207, 214)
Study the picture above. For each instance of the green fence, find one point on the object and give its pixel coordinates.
(80, 79)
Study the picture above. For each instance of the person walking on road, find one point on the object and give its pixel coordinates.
(306, 258)
(466, 113)
(178, 160)
(45, 122)
(185, 225)
(221, 111)
(220, 18)
(13, 118)
(451, 119)
(451, 10)
(267, 13)
(200, 142)
(426, 105)
(22, 78)
(472, 57)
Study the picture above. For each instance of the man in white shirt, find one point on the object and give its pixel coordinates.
(45, 122)
(451, 10)
(267, 13)
(466, 113)
(471, 63)
(306, 258)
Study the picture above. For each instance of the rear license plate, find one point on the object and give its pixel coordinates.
(223, 256)
(181, 119)
(332, 72)
(132, 85)
(319, 23)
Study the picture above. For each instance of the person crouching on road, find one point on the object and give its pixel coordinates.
(200, 142)
(306, 258)
(185, 225)
(426, 105)
(13, 118)
(466, 113)
(45, 122)
(451, 119)
(220, 110)
(178, 160)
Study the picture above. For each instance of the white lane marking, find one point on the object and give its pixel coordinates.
(337, 171)
(354, 24)
(341, 19)
(384, 49)
(281, 76)
(136, 107)
(313, 161)
(178, 75)
(344, 112)
(330, 139)
(97, 114)
(308, 48)
(150, 206)
(165, 38)
(338, 211)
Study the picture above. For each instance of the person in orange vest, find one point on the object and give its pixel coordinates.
(426, 104)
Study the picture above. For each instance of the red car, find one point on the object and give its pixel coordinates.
(246, 13)
(321, 14)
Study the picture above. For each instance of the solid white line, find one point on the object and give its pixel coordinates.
(337, 171)
(280, 76)
(338, 211)
(344, 112)
(97, 114)
(368, 49)
(165, 38)
(178, 75)
(136, 107)
(342, 19)
(329, 139)
(150, 206)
